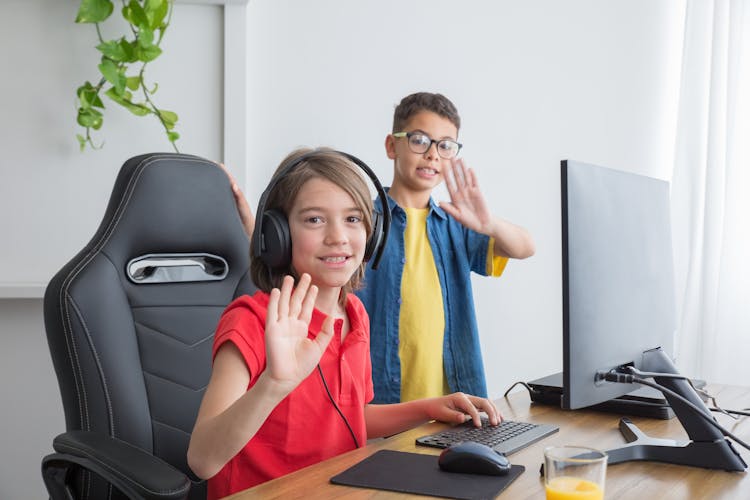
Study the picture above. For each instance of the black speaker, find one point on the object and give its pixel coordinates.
(272, 242)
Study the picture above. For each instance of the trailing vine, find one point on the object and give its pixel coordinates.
(147, 20)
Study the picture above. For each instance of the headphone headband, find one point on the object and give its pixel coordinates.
(258, 244)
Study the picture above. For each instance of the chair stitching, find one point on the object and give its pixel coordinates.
(72, 351)
(99, 368)
(171, 337)
(159, 422)
(173, 381)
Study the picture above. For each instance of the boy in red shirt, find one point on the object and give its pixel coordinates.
(291, 380)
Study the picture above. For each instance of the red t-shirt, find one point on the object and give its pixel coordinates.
(304, 428)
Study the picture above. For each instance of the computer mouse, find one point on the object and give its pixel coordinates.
(473, 458)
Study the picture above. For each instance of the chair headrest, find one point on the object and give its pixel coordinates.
(169, 204)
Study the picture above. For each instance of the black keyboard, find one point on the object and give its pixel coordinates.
(506, 438)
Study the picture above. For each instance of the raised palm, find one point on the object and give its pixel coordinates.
(467, 203)
(291, 355)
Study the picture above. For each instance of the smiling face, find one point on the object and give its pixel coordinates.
(416, 175)
(328, 234)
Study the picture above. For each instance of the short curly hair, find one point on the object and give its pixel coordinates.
(424, 101)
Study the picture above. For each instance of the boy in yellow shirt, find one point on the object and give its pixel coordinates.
(424, 337)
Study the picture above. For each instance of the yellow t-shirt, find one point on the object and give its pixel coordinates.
(422, 319)
(421, 323)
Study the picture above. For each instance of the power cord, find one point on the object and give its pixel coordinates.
(628, 378)
(731, 413)
(701, 392)
(531, 390)
(354, 437)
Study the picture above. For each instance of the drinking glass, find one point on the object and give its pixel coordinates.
(574, 473)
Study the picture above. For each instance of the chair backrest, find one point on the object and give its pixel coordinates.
(130, 319)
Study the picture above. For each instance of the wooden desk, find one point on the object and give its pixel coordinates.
(633, 480)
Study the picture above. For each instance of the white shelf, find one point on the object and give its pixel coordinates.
(22, 290)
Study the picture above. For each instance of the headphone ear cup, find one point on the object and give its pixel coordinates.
(276, 242)
(376, 237)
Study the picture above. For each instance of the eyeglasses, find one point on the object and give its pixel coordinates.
(420, 143)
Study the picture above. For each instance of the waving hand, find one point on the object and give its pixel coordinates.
(291, 356)
(467, 203)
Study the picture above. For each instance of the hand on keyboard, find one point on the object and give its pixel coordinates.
(458, 406)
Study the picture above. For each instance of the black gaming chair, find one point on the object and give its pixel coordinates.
(130, 322)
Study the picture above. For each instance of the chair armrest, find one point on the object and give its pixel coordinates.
(135, 472)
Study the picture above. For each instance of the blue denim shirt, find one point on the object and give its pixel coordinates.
(457, 251)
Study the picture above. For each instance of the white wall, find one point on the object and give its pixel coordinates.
(46, 181)
(31, 413)
(535, 82)
(52, 197)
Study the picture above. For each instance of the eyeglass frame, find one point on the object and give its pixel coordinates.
(432, 141)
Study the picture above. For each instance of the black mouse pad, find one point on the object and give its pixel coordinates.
(420, 474)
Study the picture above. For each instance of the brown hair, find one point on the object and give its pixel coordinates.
(327, 164)
(424, 101)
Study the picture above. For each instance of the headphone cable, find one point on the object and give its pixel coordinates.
(354, 437)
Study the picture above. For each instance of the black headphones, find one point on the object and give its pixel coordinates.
(272, 242)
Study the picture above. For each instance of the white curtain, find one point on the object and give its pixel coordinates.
(711, 194)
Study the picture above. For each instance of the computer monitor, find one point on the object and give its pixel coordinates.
(619, 308)
(617, 276)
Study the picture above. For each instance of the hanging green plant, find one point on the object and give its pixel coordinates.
(123, 65)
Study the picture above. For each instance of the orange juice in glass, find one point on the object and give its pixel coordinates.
(574, 473)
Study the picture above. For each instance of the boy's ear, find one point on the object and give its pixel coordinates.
(390, 146)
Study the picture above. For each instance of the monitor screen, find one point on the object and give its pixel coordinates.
(618, 286)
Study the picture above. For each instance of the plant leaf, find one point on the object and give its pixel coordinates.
(114, 74)
(129, 50)
(156, 11)
(90, 118)
(113, 49)
(169, 117)
(88, 95)
(81, 142)
(172, 136)
(94, 11)
(108, 69)
(133, 82)
(145, 38)
(148, 54)
(133, 12)
(137, 109)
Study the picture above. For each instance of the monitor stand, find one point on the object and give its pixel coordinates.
(707, 446)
